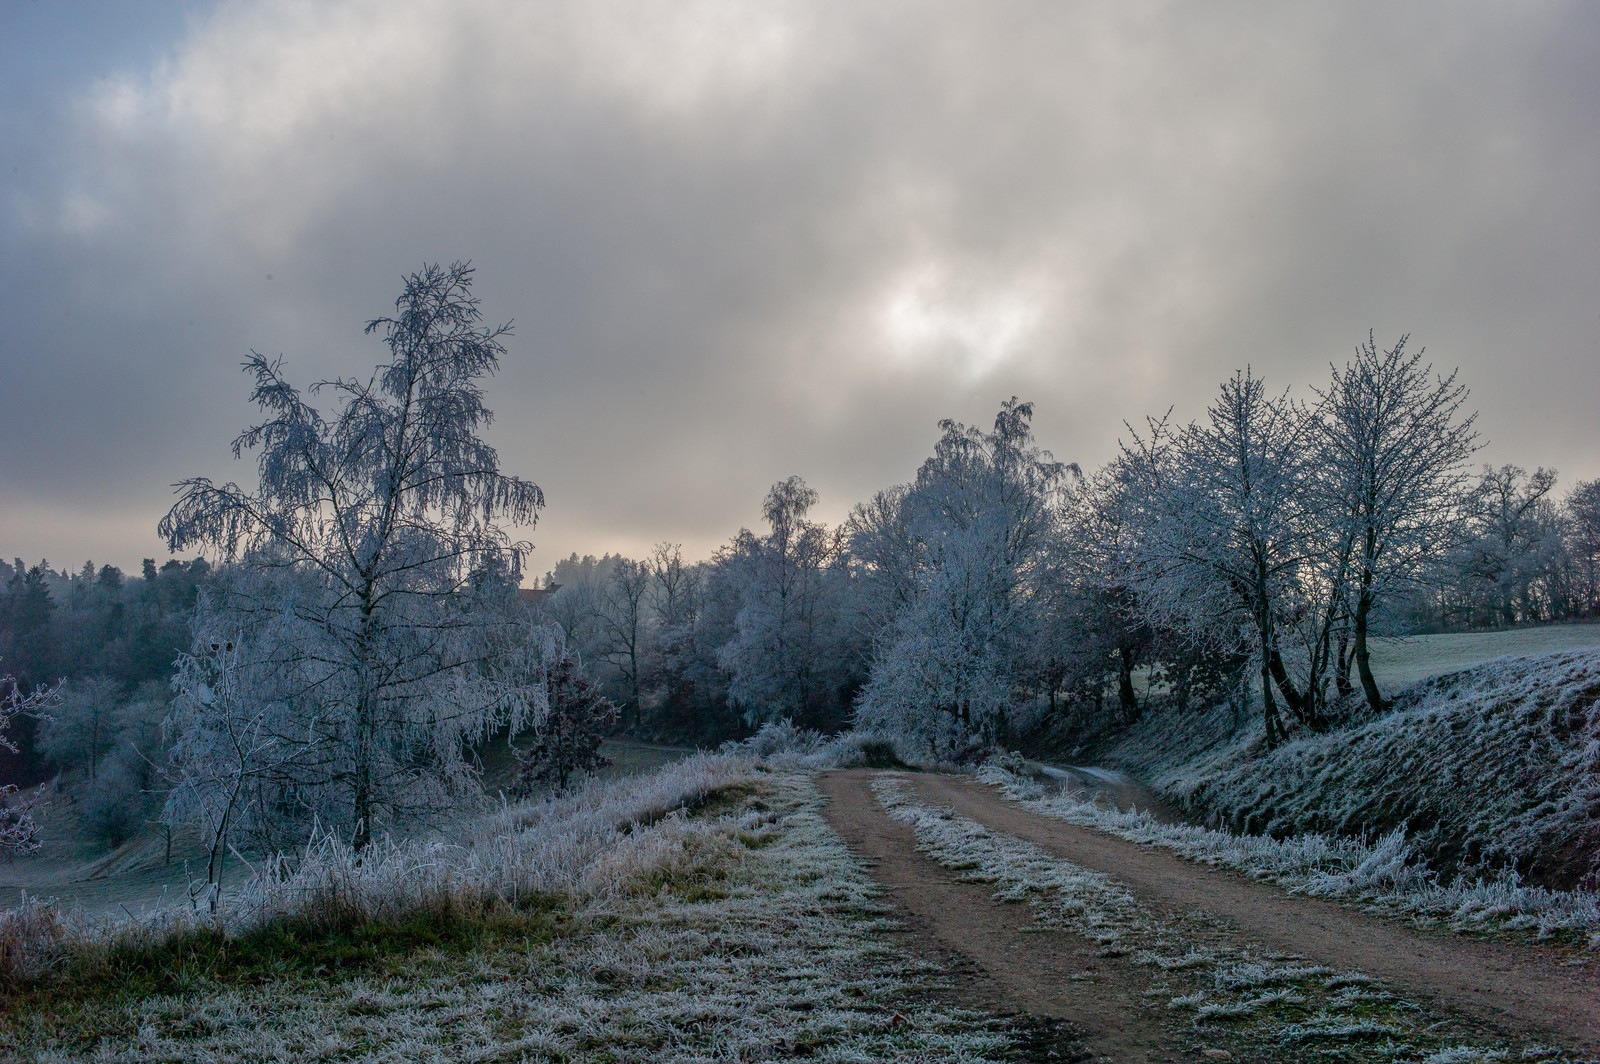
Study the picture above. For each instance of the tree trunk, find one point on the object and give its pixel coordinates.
(1341, 676)
(1300, 704)
(1369, 686)
(362, 803)
(1269, 710)
(1125, 692)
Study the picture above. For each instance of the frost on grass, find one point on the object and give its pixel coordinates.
(1475, 802)
(746, 933)
(1271, 1007)
(1385, 874)
(1495, 767)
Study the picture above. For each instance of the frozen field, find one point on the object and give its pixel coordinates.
(1397, 662)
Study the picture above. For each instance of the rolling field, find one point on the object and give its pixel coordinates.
(1398, 662)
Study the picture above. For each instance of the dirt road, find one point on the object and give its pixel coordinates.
(1526, 991)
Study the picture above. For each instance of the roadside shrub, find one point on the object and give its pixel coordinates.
(32, 937)
(782, 745)
(879, 751)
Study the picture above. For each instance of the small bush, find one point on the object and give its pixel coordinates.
(879, 752)
(116, 804)
(782, 745)
(32, 937)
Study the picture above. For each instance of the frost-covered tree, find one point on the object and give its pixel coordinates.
(886, 557)
(1394, 444)
(128, 789)
(676, 592)
(604, 606)
(783, 655)
(1582, 511)
(577, 600)
(234, 740)
(1513, 542)
(1098, 631)
(369, 603)
(943, 678)
(1227, 533)
(627, 625)
(86, 723)
(975, 529)
(19, 832)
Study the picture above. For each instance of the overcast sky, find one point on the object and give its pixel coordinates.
(742, 241)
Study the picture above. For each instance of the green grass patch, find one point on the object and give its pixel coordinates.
(81, 999)
(724, 800)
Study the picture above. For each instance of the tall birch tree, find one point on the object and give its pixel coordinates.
(375, 535)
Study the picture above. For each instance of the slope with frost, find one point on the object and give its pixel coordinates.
(1495, 767)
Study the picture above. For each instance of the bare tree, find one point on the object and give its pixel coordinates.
(1225, 531)
(1513, 540)
(624, 617)
(1394, 446)
(1096, 603)
(383, 522)
(674, 586)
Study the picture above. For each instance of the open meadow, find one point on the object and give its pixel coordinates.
(1402, 661)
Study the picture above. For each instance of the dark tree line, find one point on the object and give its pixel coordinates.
(96, 621)
(111, 641)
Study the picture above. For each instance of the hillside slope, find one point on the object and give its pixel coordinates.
(1491, 768)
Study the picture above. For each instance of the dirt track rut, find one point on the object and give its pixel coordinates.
(1522, 989)
(1007, 968)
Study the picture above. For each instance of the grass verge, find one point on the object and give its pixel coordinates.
(741, 931)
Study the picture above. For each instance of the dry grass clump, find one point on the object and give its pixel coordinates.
(31, 935)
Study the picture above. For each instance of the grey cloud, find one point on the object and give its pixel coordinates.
(702, 225)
